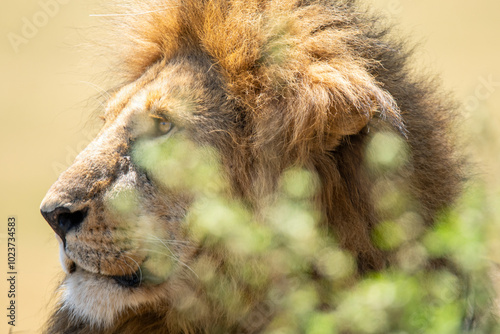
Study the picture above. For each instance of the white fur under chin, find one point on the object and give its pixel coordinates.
(99, 300)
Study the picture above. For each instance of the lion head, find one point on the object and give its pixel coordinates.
(267, 85)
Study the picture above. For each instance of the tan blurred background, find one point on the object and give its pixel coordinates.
(48, 83)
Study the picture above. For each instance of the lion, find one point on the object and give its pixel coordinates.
(268, 85)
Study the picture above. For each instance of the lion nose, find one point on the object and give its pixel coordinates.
(62, 220)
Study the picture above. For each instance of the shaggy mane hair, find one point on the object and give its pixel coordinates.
(311, 80)
(311, 77)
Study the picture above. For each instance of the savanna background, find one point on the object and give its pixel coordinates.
(49, 84)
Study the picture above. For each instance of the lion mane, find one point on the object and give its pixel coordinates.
(276, 84)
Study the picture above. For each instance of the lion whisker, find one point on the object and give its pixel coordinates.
(153, 239)
(97, 88)
(138, 266)
(176, 258)
(170, 241)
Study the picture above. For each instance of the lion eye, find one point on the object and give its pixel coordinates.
(164, 126)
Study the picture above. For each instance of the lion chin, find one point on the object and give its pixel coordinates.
(267, 85)
(98, 300)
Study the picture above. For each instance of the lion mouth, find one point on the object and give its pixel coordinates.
(129, 281)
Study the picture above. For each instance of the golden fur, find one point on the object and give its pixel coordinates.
(270, 85)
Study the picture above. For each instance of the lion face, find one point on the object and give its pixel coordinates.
(121, 232)
(123, 240)
(267, 85)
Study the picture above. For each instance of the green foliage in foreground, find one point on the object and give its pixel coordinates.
(306, 281)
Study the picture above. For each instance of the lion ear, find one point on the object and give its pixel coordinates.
(350, 98)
